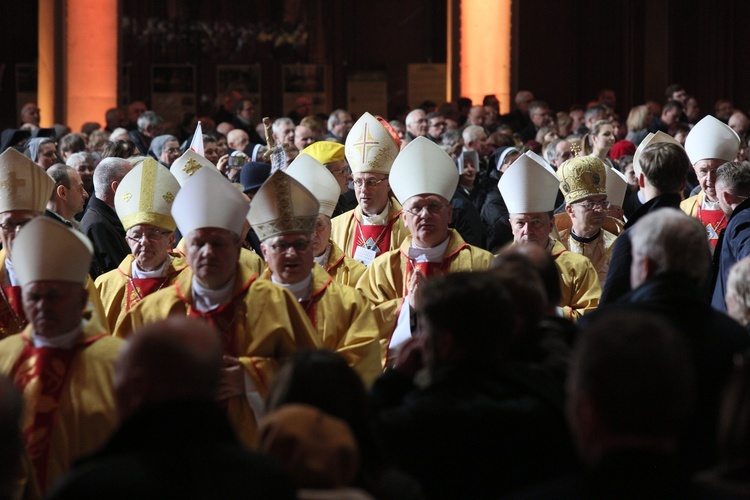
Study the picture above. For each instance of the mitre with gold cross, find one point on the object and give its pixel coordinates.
(24, 185)
(188, 164)
(370, 146)
(145, 196)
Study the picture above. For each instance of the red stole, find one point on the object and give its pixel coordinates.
(715, 221)
(137, 288)
(42, 373)
(12, 317)
(372, 237)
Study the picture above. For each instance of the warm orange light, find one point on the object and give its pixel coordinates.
(46, 70)
(91, 61)
(485, 50)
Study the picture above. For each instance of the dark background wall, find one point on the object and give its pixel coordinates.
(563, 50)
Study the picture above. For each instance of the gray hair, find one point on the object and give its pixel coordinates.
(108, 171)
(279, 122)
(738, 291)
(333, 118)
(77, 159)
(551, 153)
(471, 133)
(148, 119)
(675, 242)
(412, 116)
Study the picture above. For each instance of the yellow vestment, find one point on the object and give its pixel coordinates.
(263, 326)
(342, 268)
(82, 414)
(598, 251)
(579, 282)
(345, 229)
(118, 298)
(345, 323)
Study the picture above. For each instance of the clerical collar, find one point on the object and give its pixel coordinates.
(322, 261)
(434, 254)
(710, 205)
(64, 341)
(581, 239)
(10, 273)
(205, 299)
(301, 290)
(159, 272)
(380, 219)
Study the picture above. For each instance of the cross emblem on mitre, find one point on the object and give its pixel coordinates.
(12, 182)
(365, 141)
(191, 167)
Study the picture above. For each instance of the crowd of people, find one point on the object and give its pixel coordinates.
(455, 303)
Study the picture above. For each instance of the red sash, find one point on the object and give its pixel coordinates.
(12, 318)
(429, 269)
(715, 221)
(222, 318)
(380, 236)
(42, 373)
(138, 288)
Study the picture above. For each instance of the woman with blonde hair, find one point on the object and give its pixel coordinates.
(599, 141)
(639, 120)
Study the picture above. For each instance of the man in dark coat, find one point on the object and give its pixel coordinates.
(100, 222)
(661, 172)
(670, 273)
(174, 440)
(733, 191)
(485, 424)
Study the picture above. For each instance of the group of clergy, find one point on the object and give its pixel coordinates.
(350, 284)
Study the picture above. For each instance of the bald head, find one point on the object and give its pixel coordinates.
(238, 139)
(177, 358)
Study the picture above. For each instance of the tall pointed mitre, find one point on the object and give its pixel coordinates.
(145, 196)
(370, 147)
(423, 168)
(325, 151)
(617, 186)
(710, 138)
(647, 141)
(24, 185)
(282, 206)
(529, 185)
(318, 180)
(188, 164)
(582, 177)
(208, 200)
(46, 250)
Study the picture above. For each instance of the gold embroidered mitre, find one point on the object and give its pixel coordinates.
(582, 177)
(145, 196)
(370, 147)
(282, 206)
(24, 185)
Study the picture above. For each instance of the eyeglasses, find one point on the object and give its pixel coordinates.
(342, 171)
(299, 246)
(432, 208)
(368, 183)
(153, 235)
(591, 205)
(12, 226)
(439, 124)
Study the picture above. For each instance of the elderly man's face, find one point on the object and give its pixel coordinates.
(238, 140)
(30, 114)
(427, 218)
(541, 117)
(212, 254)
(286, 133)
(344, 126)
(54, 307)
(417, 125)
(531, 228)
(149, 245)
(705, 170)
(290, 257)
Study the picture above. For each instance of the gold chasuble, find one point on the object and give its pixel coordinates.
(120, 292)
(579, 282)
(69, 407)
(348, 232)
(261, 326)
(385, 283)
(13, 319)
(344, 322)
(598, 250)
(342, 268)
